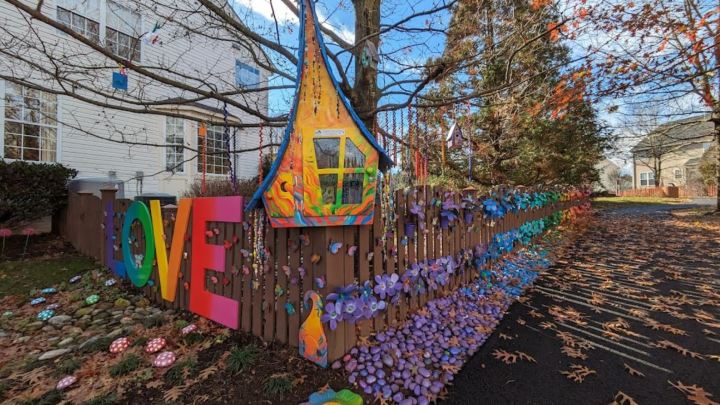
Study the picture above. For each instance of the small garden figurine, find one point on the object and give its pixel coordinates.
(4, 234)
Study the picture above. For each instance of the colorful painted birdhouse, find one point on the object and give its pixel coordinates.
(454, 137)
(327, 166)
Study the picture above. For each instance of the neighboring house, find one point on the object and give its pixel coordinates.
(609, 174)
(43, 127)
(670, 154)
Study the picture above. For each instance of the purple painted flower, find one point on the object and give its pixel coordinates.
(387, 285)
(333, 314)
(418, 210)
(351, 310)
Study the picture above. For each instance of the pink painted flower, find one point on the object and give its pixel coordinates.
(29, 231)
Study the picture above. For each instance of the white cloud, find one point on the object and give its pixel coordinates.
(284, 15)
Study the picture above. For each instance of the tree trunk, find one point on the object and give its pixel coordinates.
(365, 94)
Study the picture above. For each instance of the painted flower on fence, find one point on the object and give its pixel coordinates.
(332, 314)
(353, 303)
(387, 285)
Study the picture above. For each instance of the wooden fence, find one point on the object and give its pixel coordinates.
(671, 192)
(264, 292)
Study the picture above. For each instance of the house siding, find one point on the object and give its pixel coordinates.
(89, 136)
(670, 162)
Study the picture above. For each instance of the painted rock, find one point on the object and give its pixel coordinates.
(155, 345)
(65, 382)
(45, 314)
(164, 359)
(75, 279)
(189, 329)
(37, 301)
(119, 345)
(48, 290)
(53, 306)
(110, 282)
(92, 299)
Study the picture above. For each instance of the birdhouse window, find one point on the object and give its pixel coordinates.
(327, 153)
(341, 169)
(353, 156)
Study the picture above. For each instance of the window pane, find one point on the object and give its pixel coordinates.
(31, 130)
(353, 156)
(12, 128)
(31, 154)
(352, 190)
(13, 140)
(328, 186)
(93, 30)
(47, 155)
(12, 153)
(31, 142)
(327, 152)
(64, 17)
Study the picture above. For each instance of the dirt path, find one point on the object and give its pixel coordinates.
(633, 307)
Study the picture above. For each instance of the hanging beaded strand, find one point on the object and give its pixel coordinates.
(260, 154)
(228, 150)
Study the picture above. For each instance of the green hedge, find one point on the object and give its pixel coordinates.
(29, 191)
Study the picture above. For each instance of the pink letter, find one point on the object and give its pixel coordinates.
(212, 257)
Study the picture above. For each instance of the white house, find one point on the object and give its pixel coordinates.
(88, 122)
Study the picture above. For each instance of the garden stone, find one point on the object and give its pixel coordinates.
(35, 325)
(59, 320)
(127, 321)
(104, 305)
(138, 316)
(102, 315)
(89, 342)
(122, 303)
(98, 322)
(48, 329)
(115, 333)
(23, 339)
(142, 302)
(53, 354)
(74, 331)
(96, 311)
(3, 334)
(66, 341)
(83, 312)
(115, 313)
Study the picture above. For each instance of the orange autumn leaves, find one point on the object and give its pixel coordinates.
(569, 90)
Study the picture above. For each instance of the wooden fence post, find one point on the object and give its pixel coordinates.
(107, 207)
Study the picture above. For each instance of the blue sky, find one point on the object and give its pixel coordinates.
(399, 50)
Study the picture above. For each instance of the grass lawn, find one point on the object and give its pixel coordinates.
(617, 202)
(18, 277)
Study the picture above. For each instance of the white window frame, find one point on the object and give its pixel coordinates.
(218, 129)
(103, 4)
(58, 131)
(182, 169)
(649, 179)
(85, 17)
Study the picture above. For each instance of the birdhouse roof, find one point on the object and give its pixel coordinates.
(384, 160)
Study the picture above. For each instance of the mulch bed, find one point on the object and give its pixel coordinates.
(46, 245)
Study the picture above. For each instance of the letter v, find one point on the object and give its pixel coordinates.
(168, 272)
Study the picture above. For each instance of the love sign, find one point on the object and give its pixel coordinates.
(205, 256)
